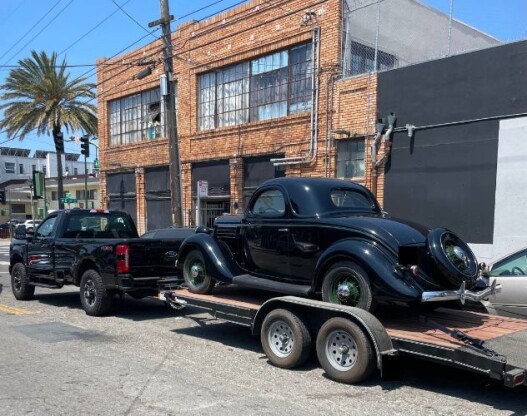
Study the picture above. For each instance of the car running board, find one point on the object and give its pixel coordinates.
(247, 280)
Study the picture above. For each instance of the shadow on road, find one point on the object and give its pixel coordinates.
(127, 307)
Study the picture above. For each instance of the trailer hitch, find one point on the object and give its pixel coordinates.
(172, 300)
(475, 343)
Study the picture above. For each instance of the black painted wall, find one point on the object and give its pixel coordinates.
(447, 176)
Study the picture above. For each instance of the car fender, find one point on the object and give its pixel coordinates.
(219, 262)
(379, 267)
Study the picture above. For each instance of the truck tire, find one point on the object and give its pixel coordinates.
(285, 339)
(346, 283)
(195, 273)
(344, 351)
(95, 299)
(20, 286)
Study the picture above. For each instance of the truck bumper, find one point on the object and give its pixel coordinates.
(461, 294)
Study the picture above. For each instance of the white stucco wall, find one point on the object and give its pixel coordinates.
(510, 215)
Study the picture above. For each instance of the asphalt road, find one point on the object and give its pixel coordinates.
(150, 360)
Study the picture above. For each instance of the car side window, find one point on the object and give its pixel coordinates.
(516, 265)
(270, 203)
(46, 228)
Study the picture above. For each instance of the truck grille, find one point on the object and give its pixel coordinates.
(226, 232)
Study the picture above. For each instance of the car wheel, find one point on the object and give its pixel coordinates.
(20, 286)
(195, 273)
(346, 283)
(285, 339)
(344, 351)
(95, 299)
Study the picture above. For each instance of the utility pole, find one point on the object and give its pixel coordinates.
(170, 112)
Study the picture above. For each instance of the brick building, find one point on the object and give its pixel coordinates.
(263, 90)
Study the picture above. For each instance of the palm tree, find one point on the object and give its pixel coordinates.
(41, 97)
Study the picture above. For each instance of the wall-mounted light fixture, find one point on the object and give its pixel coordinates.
(144, 73)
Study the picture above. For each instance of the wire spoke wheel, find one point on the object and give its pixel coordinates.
(346, 283)
(196, 272)
(345, 289)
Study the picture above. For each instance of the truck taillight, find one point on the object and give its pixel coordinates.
(123, 258)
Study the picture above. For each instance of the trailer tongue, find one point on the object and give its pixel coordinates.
(351, 342)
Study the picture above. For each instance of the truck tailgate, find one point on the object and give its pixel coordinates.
(153, 257)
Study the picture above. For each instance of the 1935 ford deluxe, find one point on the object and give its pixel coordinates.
(329, 238)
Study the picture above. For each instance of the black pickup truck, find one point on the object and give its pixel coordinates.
(98, 250)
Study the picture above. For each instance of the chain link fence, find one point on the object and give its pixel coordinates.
(385, 34)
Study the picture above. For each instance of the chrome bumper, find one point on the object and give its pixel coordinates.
(461, 294)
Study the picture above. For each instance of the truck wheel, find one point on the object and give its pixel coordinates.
(285, 339)
(195, 274)
(346, 283)
(344, 351)
(95, 299)
(20, 286)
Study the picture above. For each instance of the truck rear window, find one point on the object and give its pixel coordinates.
(99, 225)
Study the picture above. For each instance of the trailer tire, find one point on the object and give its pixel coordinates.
(95, 299)
(195, 274)
(344, 351)
(285, 339)
(20, 286)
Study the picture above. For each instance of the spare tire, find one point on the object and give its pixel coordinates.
(453, 257)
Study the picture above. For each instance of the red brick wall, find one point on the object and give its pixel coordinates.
(250, 30)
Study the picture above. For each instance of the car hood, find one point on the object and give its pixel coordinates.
(394, 232)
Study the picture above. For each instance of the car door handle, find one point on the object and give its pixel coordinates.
(283, 230)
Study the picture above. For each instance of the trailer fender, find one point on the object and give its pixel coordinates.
(314, 313)
(219, 262)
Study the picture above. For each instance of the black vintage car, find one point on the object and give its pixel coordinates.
(306, 237)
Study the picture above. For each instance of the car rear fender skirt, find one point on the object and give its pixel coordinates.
(384, 279)
(219, 263)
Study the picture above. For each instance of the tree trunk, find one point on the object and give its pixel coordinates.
(60, 178)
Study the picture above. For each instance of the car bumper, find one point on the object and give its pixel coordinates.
(461, 294)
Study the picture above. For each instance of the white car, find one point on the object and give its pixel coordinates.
(31, 225)
(511, 273)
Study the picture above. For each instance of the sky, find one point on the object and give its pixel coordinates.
(84, 30)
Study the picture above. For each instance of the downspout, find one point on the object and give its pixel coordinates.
(313, 135)
(329, 118)
(375, 164)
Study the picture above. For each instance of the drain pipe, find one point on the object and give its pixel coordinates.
(379, 127)
(313, 135)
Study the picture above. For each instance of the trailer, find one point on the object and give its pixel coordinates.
(351, 344)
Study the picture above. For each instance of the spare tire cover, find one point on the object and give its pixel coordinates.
(454, 258)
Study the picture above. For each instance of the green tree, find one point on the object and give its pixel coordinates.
(40, 97)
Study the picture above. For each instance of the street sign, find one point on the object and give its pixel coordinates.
(68, 200)
(203, 189)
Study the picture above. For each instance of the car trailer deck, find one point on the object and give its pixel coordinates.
(351, 342)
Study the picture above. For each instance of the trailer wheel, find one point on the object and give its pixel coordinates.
(346, 283)
(95, 299)
(344, 351)
(195, 273)
(20, 286)
(285, 339)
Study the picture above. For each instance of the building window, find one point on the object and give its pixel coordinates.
(21, 168)
(350, 158)
(360, 59)
(54, 196)
(75, 171)
(9, 167)
(265, 88)
(33, 168)
(67, 170)
(92, 194)
(18, 208)
(44, 169)
(135, 118)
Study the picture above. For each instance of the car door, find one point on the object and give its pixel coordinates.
(511, 273)
(40, 251)
(266, 233)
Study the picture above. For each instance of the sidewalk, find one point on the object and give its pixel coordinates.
(5, 241)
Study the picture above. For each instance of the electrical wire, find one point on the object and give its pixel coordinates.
(131, 18)
(41, 30)
(93, 28)
(32, 27)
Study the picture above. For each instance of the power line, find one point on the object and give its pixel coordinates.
(29, 31)
(93, 28)
(133, 20)
(40, 31)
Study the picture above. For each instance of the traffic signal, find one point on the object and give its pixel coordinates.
(59, 143)
(2, 196)
(85, 145)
